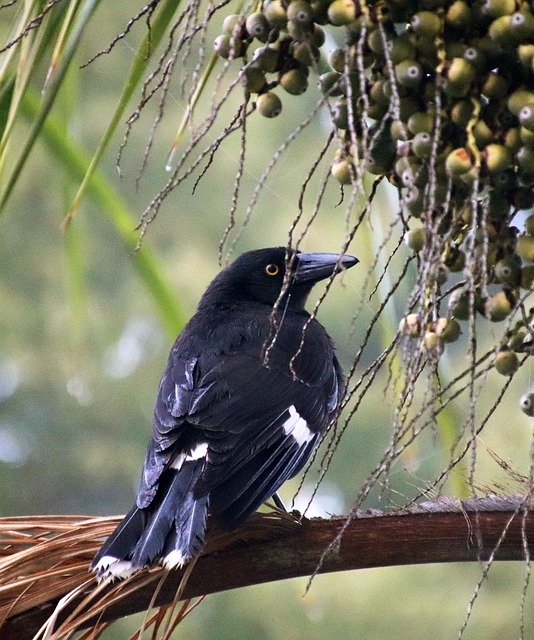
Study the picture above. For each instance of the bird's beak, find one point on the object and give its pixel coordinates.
(312, 267)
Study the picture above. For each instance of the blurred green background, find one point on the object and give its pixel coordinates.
(82, 347)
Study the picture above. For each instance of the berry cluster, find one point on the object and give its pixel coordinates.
(438, 96)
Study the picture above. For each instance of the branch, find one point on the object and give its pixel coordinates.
(275, 547)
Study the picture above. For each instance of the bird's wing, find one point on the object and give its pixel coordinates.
(260, 422)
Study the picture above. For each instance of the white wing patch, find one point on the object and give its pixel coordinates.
(200, 451)
(297, 427)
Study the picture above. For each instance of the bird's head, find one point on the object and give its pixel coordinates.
(258, 276)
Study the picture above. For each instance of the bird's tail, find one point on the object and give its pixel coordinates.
(171, 529)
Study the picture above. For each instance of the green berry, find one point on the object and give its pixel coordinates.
(519, 99)
(341, 12)
(422, 145)
(506, 362)
(527, 404)
(228, 47)
(410, 325)
(459, 304)
(529, 224)
(276, 14)
(409, 73)
(458, 15)
(300, 11)
(426, 24)
(497, 307)
(497, 158)
(527, 277)
(415, 239)
(266, 58)
(269, 104)
(342, 170)
(331, 83)
(508, 271)
(525, 159)
(459, 162)
(448, 329)
(526, 117)
(294, 82)
(525, 248)
(232, 24)
(497, 8)
(253, 79)
(431, 341)
(257, 26)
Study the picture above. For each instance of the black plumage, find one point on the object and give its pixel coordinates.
(232, 422)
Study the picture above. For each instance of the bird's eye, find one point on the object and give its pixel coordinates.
(272, 269)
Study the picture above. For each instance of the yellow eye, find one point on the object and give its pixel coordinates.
(272, 269)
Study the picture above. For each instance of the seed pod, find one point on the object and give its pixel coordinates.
(448, 329)
(233, 24)
(276, 14)
(459, 162)
(527, 277)
(426, 24)
(266, 58)
(341, 12)
(459, 304)
(294, 82)
(342, 170)
(269, 104)
(257, 26)
(497, 307)
(506, 362)
(527, 404)
(508, 270)
(253, 80)
(422, 145)
(525, 248)
(409, 73)
(415, 239)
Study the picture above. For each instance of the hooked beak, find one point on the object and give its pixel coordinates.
(312, 267)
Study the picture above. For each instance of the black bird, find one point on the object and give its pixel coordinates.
(232, 423)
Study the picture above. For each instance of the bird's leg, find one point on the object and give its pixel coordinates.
(278, 502)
